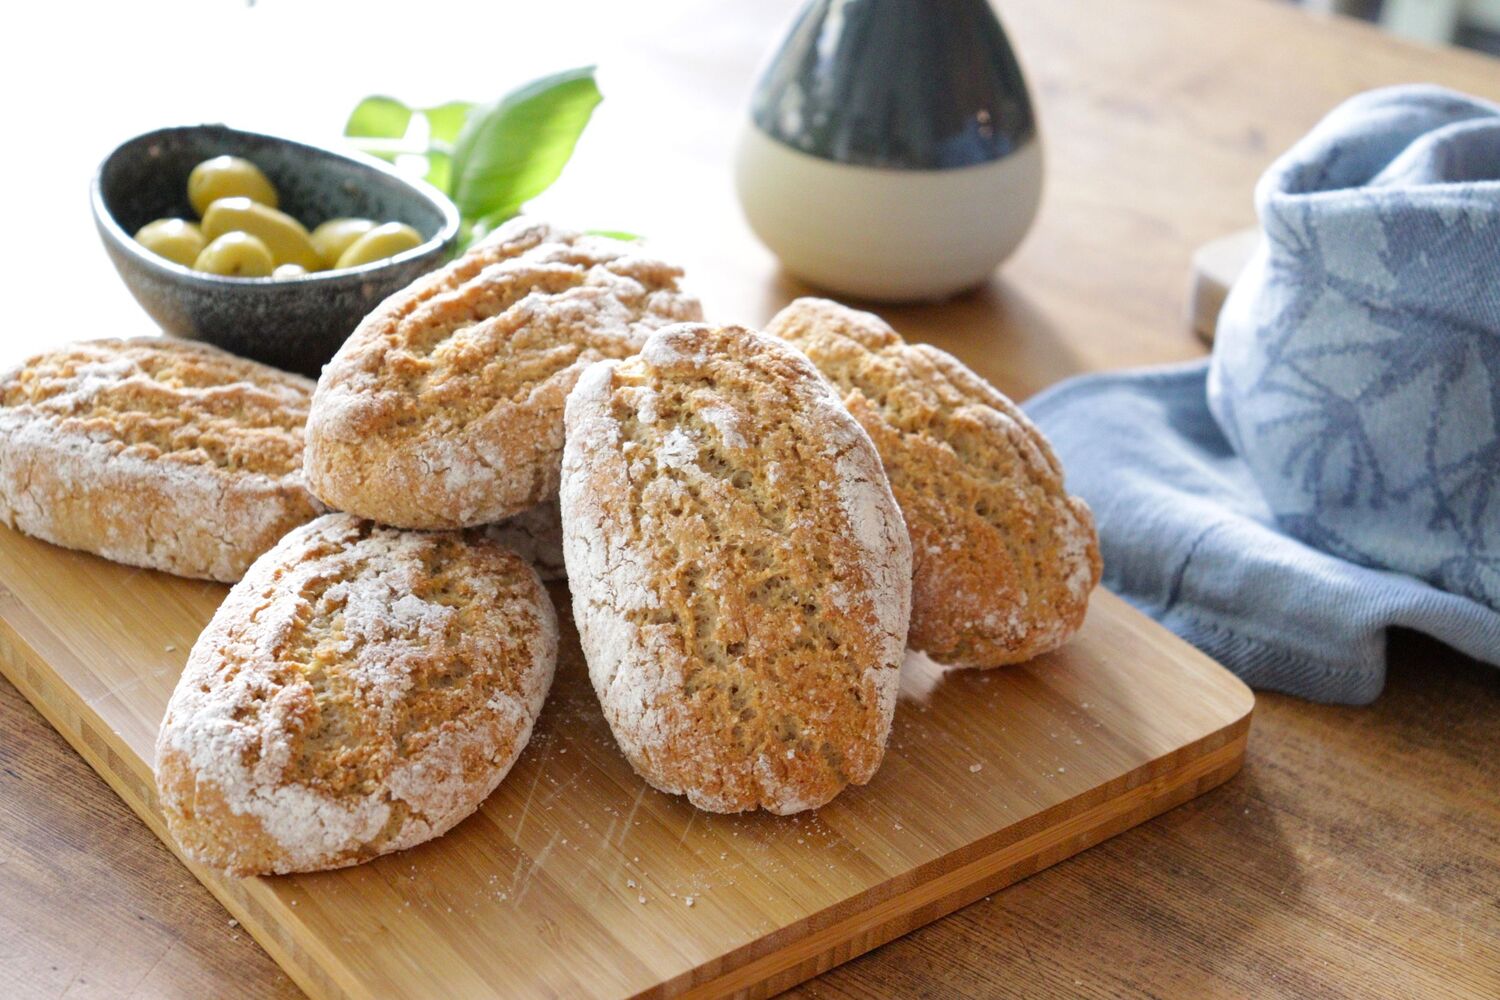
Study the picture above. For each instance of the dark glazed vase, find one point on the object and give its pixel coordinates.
(892, 152)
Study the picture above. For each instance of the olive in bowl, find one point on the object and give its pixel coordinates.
(277, 315)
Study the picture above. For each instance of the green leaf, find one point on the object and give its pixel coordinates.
(616, 234)
(445, 121)
(439, 169)
(477, 229)
(378, 118)
(511, 151)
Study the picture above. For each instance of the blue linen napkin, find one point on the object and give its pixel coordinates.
(1188, 539)
(1335, 470)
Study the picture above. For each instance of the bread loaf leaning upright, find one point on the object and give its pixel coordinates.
(444, 409)
(155, 452)
(1003, 558)
(740, 571)
(360, 691)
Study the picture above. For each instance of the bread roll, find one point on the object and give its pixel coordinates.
(360, 691)
(444, 409)
(154, 452)
(740, 572)
(1003, 558)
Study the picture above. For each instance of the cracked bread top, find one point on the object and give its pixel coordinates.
(444, 408)
(740, 571)
(360, 691)
(155, 452)
(1003, 558)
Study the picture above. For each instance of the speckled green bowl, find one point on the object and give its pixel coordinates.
(292, 323)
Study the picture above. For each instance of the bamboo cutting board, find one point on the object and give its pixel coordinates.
(577, 880)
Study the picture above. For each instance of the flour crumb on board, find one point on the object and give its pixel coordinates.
(688, 900)
(975, 768)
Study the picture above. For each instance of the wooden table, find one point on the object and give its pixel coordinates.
(1357, 854)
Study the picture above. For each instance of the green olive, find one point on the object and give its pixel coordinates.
(379, 243)
(333, 237)
(175, 239)
(289, 271)
(236, 255)
(228, 177)
(282, 234)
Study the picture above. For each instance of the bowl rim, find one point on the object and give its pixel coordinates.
(115, 233)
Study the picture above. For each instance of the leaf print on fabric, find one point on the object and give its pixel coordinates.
(1357, 362)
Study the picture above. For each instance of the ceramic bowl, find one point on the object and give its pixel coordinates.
(292, 323)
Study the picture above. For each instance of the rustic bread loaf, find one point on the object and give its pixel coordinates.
(155, 452)
(444, 408)
(740, 573)
(1003, 558)
(535, 535)
(360, 691)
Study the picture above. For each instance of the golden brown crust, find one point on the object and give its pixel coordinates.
(1003, 558)
(739, 570)
(360, 691)
(444, 408)
(154, 452)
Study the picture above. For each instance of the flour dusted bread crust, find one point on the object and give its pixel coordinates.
(154, 452)
(740, 571)
(535, 535)
(360, 691)
(444, 408)
(1003, 558)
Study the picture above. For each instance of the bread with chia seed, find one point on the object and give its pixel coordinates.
(1003, 558)
(154, 452)
(360, 691)
(739, 569)
(444, 408)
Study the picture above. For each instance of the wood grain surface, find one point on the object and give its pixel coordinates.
(577, 879)
(1357, 853)
(1216, 267)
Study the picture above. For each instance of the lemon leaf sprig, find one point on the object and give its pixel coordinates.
(489, 158)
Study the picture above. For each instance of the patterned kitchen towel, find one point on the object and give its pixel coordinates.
(1188, 539)
(1357, 362)
(1335, 470)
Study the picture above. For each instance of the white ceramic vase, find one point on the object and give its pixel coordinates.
(891, 152)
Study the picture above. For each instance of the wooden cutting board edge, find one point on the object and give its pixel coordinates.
(1216, 265)
(67, 713)
(763, 968)
(818, 944)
